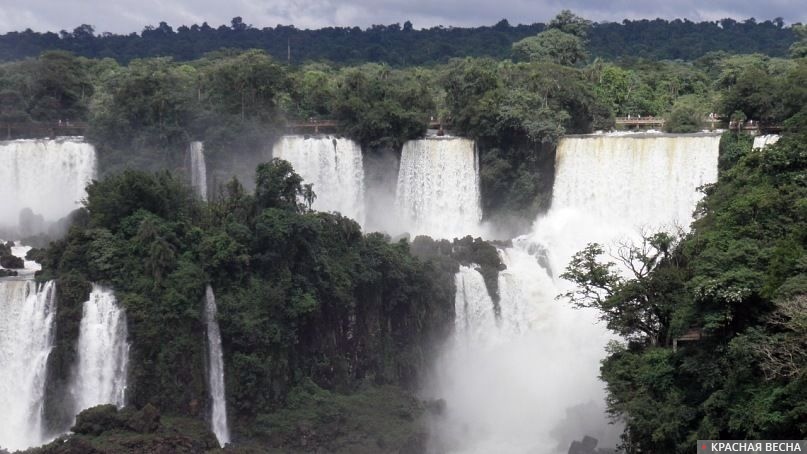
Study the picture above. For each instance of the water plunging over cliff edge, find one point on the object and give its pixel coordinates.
(438, 187)
(528, 382)
(215, 372)
(763, 141)
(198, 168)
(26, 338)
(48, 176)
(333, 165)
(103, 353)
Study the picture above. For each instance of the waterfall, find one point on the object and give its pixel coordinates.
(761, 142)
(26, 339)
(103, 352)
(196, 151)
(438, 187)
(630, 181)
(30, 267)
(333, 165)
(47, 176)
(474, 309)
(215, 374)
(534, 388)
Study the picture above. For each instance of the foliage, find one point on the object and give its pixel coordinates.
(301, 295)
(686, 116)
(55, 86)
(278, 186)
(568, 22)
(799, 48)
(552, 46)
(105, 429)
(381, 107)
(401, 45)
(373, 420)
(640, 307)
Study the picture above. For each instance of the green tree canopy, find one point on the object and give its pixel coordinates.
(553, 45)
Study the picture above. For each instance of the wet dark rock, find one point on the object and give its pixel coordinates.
(587, 446)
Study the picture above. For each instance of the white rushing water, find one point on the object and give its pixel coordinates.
(30, 267)
(103, 352)
(333, 165)
(215, 373)
(763, 141)
(475, 315)
(196, 152)
(529, 382)
(48, 176)
(438, 187)
(26, 338)
(633, 181)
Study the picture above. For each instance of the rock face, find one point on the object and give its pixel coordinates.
(587, 446)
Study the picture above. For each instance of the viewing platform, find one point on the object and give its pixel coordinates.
(755, 126)
(640, 122)
(711, 123)
(315, 126)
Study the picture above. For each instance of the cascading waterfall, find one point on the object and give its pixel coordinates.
(333, 165)
(473, 306)
(196, 152)
(103, 352)
(215, 373)
(48, 176)
(438, 187)
(633, 181)
(534, 388)
(763, 141)
(26, 339)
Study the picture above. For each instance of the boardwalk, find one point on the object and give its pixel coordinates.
(322, 125)
(34, 130)
(314, 126)
(639, 122)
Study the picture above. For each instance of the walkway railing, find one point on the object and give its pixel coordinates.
(312, 125)
(32, 130)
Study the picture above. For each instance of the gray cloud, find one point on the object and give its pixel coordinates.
(125, 16)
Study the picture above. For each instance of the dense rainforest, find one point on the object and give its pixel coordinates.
(404, 45)
(327, 328)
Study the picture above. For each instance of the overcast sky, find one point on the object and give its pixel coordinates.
(125, 16)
